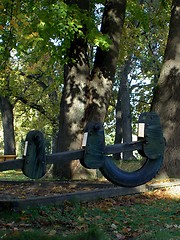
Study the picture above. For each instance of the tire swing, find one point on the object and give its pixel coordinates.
(153, 145)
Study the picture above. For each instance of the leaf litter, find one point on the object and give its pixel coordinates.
(122, 218)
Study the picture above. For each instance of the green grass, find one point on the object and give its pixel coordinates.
(163, 234)
(92, 234)
(140, 217)
(150, 216)
(13, 175)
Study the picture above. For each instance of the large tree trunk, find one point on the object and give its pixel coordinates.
(8, 125)
(73, 116)
(106, 61)
(166, 100)
(72, 107)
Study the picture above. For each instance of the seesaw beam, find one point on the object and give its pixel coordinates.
(72, 155)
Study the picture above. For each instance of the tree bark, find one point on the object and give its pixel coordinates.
(123, 107)
(84, 100)
(72, 107)
(166, 100)
(126, 108)
(8, 125)
(118, 129)
(106, 62)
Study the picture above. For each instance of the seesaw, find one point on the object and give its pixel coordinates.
(96, 155)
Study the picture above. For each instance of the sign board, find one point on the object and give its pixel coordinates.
(141, 128)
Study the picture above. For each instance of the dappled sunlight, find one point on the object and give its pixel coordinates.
(101, 85)
(168, 68)
(169, 193)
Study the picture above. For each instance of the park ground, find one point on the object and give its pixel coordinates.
(151, 215)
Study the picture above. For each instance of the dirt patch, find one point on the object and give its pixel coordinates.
(31, 189)
(10, 190)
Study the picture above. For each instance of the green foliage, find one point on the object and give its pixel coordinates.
(34, 40)
(46, 27)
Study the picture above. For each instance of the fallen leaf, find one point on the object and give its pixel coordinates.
(52, 232)
(120, 236)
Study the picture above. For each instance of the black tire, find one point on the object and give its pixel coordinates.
(134, 178)
(35, 158)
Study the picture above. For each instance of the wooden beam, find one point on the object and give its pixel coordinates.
(7, 157)
(124, 147)
(72, 155)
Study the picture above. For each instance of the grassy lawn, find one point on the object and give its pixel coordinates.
(13, 175)
(146, 216)
(153, 215)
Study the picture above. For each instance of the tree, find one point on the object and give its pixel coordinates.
(8, 125)
(86, 99)
(142, 34)
(166, 100)
(28, 74)
(126, 107)
(73, 102)
(24, 91)
(106, 61)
